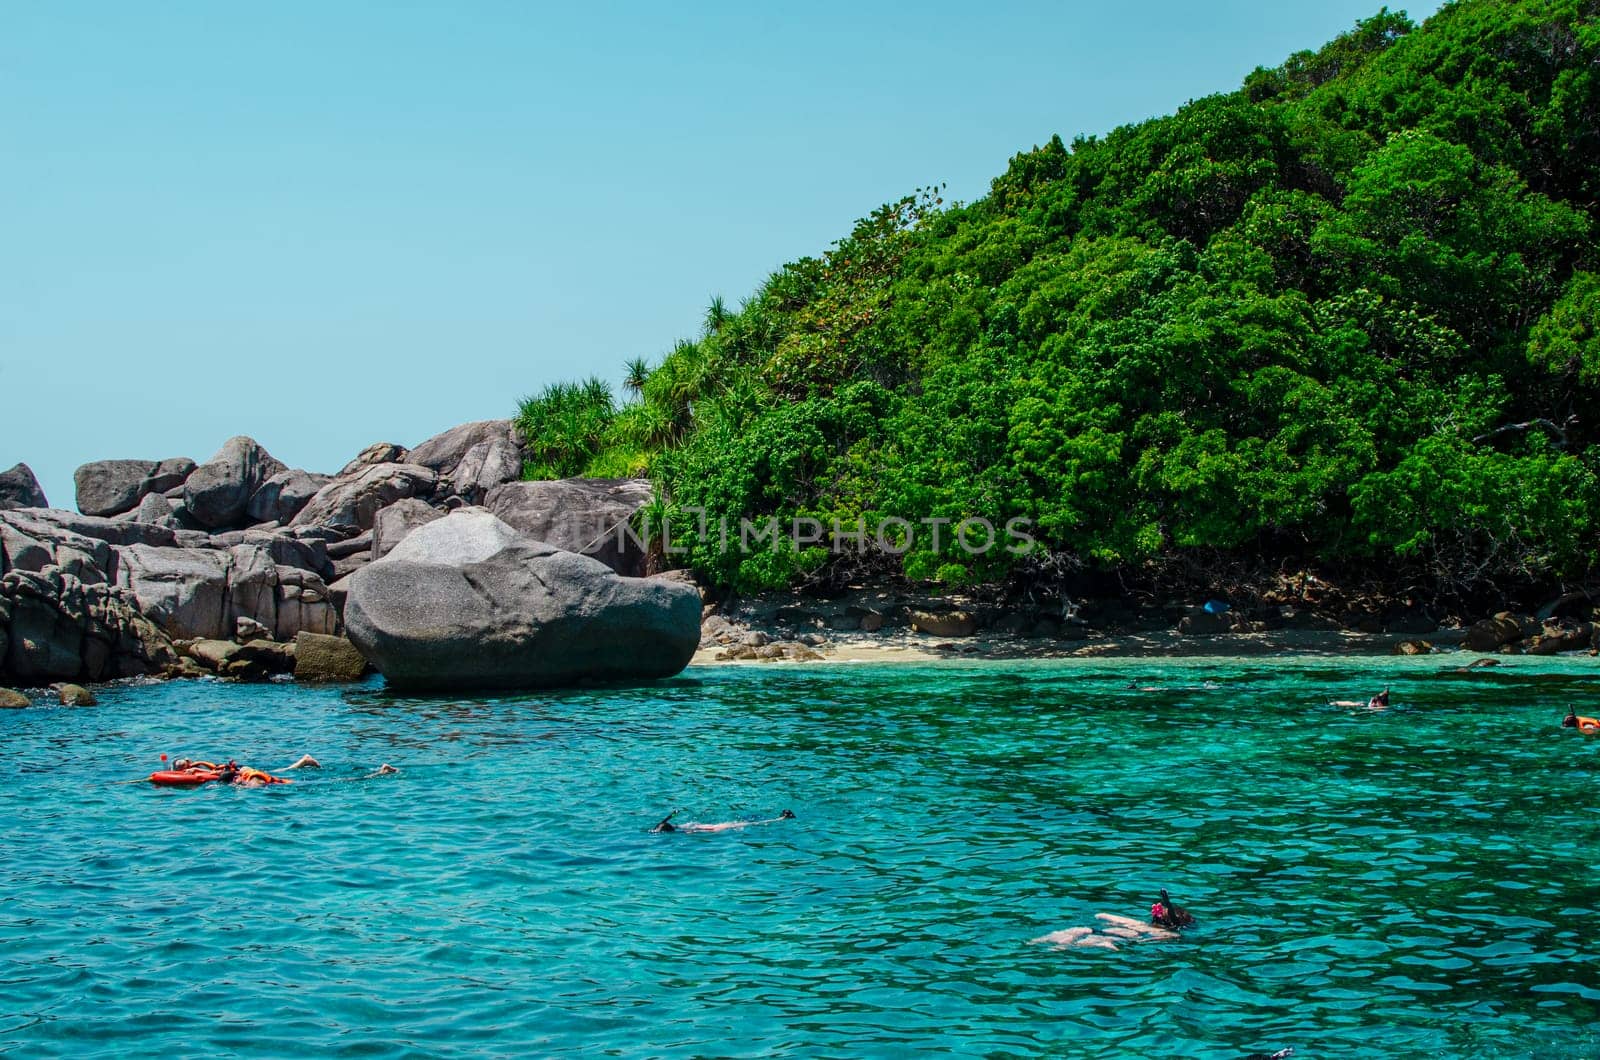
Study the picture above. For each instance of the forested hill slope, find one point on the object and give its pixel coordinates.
(1348, 315)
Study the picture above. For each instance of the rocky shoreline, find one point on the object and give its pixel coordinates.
(173, 568)
(240, 568)
(889, 625)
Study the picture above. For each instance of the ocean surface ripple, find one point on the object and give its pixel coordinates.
(1419, 881)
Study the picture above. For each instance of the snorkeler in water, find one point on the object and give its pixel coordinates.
(666, 824)
(1377, 702)
(1574, 720)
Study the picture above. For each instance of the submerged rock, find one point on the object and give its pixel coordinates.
(11, 699)
(75, 696)
(467, 601)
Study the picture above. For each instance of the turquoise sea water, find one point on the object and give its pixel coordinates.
(1416, 882)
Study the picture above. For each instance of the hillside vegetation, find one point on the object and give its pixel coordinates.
(1348, 315)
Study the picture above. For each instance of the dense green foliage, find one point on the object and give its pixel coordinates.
(1349, 313)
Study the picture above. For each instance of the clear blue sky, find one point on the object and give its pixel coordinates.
(329, 224)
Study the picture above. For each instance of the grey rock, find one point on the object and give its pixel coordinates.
(717, 630)
(357, 499)
(217, 493)
(20, 489)
(19, 551)
(376, 453)
(252, 588)
(444, 453)
(362, 542)
(170, 474)
(110, 487)
(343, 568)
(154, 508)
(339, 589)
(1492, 634)
(304, 604)
(588, 516)
(391, 525)
(483, 467)
(10, 699)
(184, 591)
(944, 624)
(212, 653)
(1202, 623)
(258, 661)
(247, 629)
(75, 696)
(55, 524)
(31, 541)
(323, 658)
(280, 497)
(46, 641)
(1557, 639)
(468, 602)
(289, 550)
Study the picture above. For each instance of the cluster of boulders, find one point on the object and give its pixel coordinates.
(1528, 635)
(179, 568)
(805, 623)
(734, 643)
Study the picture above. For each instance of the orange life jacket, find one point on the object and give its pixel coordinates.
(247, 775)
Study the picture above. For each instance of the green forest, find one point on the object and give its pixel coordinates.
(1347, 316)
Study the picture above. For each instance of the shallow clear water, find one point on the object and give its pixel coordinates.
(1420, 881)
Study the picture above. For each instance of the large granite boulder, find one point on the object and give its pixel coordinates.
(280, 497)
(392, 524)
(444, 452)
(591, 516)
(484, 467)
(467, 601)
(474, 458)
(110, 487)
(355, 500)
(20, 489)
(217, 493)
